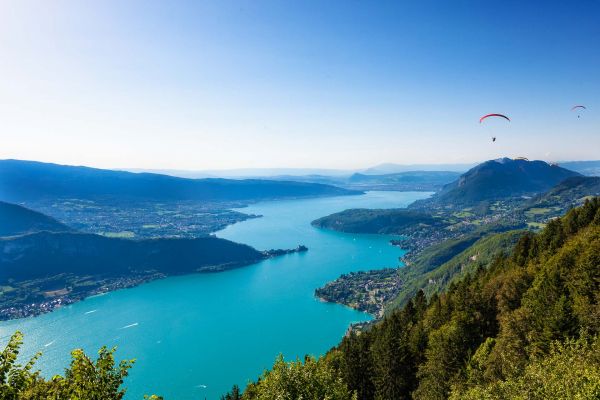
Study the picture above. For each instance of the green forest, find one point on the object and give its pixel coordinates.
(524, 326)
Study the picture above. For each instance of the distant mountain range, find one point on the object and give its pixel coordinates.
(391, 168)
(503, 178)
(402, 181)
(409, 180)
(341, 177)
(29, 180)
(589, 168)
(294, 173)
(244, 173)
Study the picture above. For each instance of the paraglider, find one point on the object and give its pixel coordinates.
(493, 115)
(578, 107)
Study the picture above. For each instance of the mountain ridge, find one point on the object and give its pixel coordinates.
(27, 180)
(86, 253)
(503, 178)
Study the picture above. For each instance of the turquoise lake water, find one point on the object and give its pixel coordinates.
(195, 335)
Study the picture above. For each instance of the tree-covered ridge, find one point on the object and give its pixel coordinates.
(570, 192)
(18, 220)
(377, 221)
(509, 329)
(84, 379)
(45, 254)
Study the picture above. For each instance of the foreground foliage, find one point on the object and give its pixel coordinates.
(570, 371)
(83, 380)
(308, 380)
(523, 326)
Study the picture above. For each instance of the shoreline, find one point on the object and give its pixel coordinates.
(111, 284)
(366, 291)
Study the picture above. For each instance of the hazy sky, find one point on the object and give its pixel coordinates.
(335, 84)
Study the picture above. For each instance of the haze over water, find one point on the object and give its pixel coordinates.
(214, 330)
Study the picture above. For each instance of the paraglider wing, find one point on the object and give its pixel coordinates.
(493, 115)
(578, 106)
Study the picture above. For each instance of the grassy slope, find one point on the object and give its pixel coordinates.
(442, 264)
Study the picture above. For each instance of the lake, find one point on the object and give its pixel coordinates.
(195, 335)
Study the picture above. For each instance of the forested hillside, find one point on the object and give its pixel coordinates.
(524, 325)
(434, 269)
(17, 220)
(46, 254)
(377, 221)
(570, 192)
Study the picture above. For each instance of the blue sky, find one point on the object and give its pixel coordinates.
(324, 84)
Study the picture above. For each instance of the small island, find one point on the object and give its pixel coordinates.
(280, 252)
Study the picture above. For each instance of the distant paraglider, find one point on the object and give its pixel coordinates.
(578, 107)
(493, 115)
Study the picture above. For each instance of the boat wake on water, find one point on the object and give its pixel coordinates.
(130, 325)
